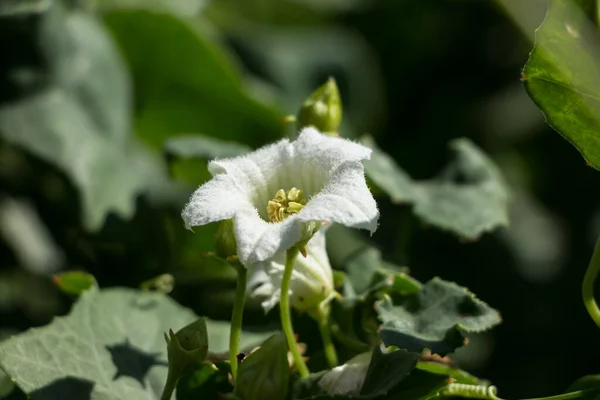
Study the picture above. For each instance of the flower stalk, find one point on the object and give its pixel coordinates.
(587, 289)
(286, 316)
(236, 319)
(322, 318)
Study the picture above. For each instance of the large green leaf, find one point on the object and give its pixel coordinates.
(387, 370)
(562, 75)
(469, 197)
(184, 83)
(77, 116)
(110, 346)
(434, 318)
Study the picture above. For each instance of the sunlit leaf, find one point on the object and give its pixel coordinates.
(469, 197)
(562, 75)
(110, 346)
(434, 318)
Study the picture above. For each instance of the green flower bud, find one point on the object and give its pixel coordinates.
(187, 348)
(322, 109)
(265, 373)
(225, 244)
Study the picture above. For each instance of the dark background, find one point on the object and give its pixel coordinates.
(414, 74)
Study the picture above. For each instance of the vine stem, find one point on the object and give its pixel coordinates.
(322, 318)
(587, 289)
(236, 319)
(286, 316)
(169, 387)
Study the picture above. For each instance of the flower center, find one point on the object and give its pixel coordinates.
(285, 204)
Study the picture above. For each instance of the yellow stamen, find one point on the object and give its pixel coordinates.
(285, 204)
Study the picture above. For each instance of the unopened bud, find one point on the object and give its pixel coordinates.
(225, 244)
(187, 348)
(322, 109)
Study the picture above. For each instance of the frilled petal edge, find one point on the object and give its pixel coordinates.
(216, 200)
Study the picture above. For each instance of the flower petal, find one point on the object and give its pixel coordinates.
(216, 200)
(346, 200)
(328, 152)
(254, 172)
(311, 282)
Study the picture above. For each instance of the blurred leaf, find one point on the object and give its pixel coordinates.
(181, 8)
(387, 370)
(111, 343)
(19, 7)
(186, 84)
(434, 318)
(291, 60)
(74, 282)
(387, 175)
(265, 373)
(81, 124)
(469, 198)
(200, 146)
(562, 75)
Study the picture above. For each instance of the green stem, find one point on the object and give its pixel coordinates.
(587, 289)
(330, 353)
(169, 386)
(236, 319)
(286, 316)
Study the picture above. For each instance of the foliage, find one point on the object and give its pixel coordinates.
(110, 111)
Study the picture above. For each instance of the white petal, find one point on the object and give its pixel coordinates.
(255, 173)
(216, 200)
(328, 152)
(311, 282)
(346, 199)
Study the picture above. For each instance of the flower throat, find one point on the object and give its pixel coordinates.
(285, 204)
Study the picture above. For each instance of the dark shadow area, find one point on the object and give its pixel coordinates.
(65, 388)
(133, 362)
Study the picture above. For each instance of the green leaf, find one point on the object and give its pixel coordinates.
(265, 373)
(434, 318)
(205, 147)
(185, 83)
(208, 382)
(110, 346)
(590, 384)
(79, 124)
(457, 374)
(74, 282)
(367, 272)
(6, 385)
(469, 197)
(562, 75)
(387, 370)
(387, 175)
(419, 385)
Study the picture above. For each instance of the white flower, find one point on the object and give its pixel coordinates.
(311, 282)
(326, 169)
